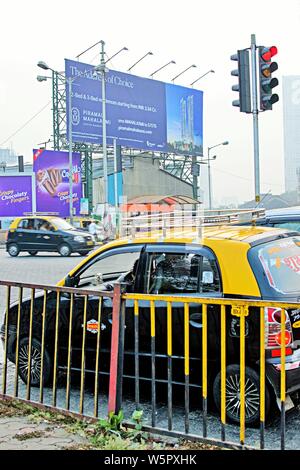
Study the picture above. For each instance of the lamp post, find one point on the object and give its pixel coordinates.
(209, 172)
(185, 70)
(199, 78)
(103, 70)
(162, 67)
(69, 82)
(138, 61)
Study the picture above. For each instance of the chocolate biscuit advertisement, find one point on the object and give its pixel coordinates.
(15, 196)
(51, 169)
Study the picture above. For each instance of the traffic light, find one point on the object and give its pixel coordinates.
(243, 87)
(266, 82)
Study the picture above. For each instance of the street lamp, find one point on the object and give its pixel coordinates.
(185, 70)
(209, 172)
(148, 53)
(69, 82)
(160, 68)
(199, 78)
(103, 70)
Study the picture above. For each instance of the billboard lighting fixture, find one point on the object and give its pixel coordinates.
(199, 78)
(138, 61)
(185, 70)
(114, 55)
(162, 67)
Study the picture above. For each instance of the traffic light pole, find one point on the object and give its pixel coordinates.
(255, 119)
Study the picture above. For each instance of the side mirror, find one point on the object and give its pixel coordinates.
(70, 281)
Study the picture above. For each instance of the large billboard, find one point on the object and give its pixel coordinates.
(141, 113)
(15, 195)
(51, 168)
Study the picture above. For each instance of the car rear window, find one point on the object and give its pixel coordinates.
(280, 260)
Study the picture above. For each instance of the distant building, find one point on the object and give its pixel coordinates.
(291, 127)
(7, 157)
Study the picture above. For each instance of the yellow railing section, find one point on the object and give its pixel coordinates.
(239, 308)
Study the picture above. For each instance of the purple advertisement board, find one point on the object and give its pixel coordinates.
(15, 195)
(51, 169)
(141, 113)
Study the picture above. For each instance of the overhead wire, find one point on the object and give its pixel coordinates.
(26, 123)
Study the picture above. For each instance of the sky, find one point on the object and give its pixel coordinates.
(201, 32)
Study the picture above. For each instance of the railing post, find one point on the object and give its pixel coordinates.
(116, 352)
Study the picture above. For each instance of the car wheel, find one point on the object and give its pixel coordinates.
(13, 249)
(252, 395)
(33, 253)
(36, 362)
(64, 250)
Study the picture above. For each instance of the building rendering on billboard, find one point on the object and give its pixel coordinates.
(51, 168)
(141, 113)
(16, 195)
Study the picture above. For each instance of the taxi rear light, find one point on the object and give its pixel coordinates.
(277, 352)
(273, 328)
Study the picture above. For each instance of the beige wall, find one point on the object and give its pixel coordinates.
(145, 179)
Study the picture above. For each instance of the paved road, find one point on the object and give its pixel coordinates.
(40, 269)
(51, 268)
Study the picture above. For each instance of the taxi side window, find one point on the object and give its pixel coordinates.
(170, 273)
(42, 224)
(26, 224)
(112, 267)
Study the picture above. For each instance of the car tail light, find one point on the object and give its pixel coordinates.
(6, 235)
(273, 336)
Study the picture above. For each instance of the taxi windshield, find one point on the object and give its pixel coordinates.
(61, 224)
(280, 260)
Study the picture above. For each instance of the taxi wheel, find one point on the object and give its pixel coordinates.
(64, 250)
(33, 253)
(233, 399)
(13, 249)
(36, 362)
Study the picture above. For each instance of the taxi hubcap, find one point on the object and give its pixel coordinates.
(35, 363)
(233, 397)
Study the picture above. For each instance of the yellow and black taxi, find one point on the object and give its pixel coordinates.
(34, 234)
(226, 263)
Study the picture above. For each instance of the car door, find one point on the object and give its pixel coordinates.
(45, 237)
(101, 273)
(25, 234)
(181, 271)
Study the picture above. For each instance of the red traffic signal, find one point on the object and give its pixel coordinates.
(266, 82)
(268, 53)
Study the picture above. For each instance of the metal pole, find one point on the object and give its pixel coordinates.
(115, 174)
(104, 143)
(255, 119)
(209, 181)
(70, 151)
(195, 178)
(116, 189)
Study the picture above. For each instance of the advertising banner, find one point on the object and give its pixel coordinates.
(141, 113)
(51, 168)
(15, 195)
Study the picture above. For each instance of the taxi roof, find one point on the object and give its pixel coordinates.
(228, 243)
(242, 234)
